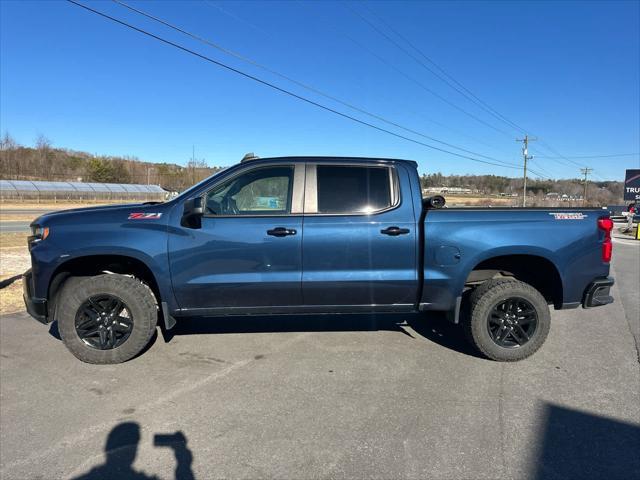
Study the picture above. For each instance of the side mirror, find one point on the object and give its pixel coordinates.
(437, 201)
(192, 213)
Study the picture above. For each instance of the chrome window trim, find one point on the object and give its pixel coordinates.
(297, 198)
(311, 190)
(298, 194)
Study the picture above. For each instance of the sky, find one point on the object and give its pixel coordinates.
(567, 73)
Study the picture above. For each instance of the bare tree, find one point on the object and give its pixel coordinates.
(8, 142)
(43, 146)
(7, 155)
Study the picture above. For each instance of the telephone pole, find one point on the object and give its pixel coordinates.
(525, 154)
(585, 171)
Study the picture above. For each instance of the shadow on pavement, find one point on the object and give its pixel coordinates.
(434, 327)
(584, 446)
(121, 449)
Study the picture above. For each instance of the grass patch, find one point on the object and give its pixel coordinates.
(11, 296)
(13, 240)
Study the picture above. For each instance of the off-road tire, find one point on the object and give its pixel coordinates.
(138, 298)
(480, 304)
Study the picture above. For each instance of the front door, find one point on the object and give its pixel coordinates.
(247, 254)
(359, 246)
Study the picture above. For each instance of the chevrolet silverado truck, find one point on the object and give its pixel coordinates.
(312, 235)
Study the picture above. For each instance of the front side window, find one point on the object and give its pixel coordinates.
(353, 189)
(262, 191)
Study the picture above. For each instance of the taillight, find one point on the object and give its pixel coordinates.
(606, 225)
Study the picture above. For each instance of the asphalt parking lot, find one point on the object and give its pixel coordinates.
(330, 397)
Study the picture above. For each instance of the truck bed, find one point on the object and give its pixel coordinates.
(458, 241)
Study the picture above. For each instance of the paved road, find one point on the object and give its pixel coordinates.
(339, 397)
(32, 211)
(19, 226)
(14, 226)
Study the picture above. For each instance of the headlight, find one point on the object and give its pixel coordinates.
(39, 233)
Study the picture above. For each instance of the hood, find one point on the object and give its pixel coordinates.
(118, 212)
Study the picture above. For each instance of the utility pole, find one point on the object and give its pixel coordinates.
(525, 154)
(585, 171)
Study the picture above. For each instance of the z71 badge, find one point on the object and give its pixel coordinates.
(144, 216)
(568, 216)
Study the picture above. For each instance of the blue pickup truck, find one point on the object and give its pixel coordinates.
(312, 235)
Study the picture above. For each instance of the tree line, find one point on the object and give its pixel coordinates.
(45, 162)
(539, 192)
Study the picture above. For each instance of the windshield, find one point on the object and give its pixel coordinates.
(193, 188)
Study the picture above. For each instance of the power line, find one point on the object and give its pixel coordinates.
(466, 92)
(405, 75)
(567, 159)
(301, 84)
(594, 156)
(462, 90)
(440, 97)
(548, 174)
(552, 150)
(280, 89)
(458, 87)
(234, 16)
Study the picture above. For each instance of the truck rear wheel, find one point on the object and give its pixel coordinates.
(107, 318)
(507, 320)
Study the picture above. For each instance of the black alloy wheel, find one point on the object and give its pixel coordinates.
(104, 322)
(512, 322)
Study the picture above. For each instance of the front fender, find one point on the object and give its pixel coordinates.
(144, 242)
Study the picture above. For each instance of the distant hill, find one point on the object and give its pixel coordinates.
(43, 162)
(541, 193)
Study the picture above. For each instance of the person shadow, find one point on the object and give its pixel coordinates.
(121, 449)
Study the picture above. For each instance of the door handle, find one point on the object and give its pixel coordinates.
(281, 232)
(395, 231)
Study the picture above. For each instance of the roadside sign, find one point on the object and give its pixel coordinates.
(632, 185)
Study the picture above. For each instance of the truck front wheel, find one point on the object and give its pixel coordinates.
(507, 320)
(107, 318)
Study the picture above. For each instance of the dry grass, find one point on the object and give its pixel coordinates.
(11, 296)
(14, 260)
(12, 240)
(18, 217)
(468, 200)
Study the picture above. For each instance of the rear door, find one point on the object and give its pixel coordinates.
(360, 238)
(247, 254)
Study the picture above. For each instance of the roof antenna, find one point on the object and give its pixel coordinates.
(249, 156)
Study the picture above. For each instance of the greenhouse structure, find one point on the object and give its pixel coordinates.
(39, 190)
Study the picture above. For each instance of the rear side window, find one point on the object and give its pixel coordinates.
(353, 189)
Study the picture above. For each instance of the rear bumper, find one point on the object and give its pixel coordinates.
(597, 293)
(36, 307)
